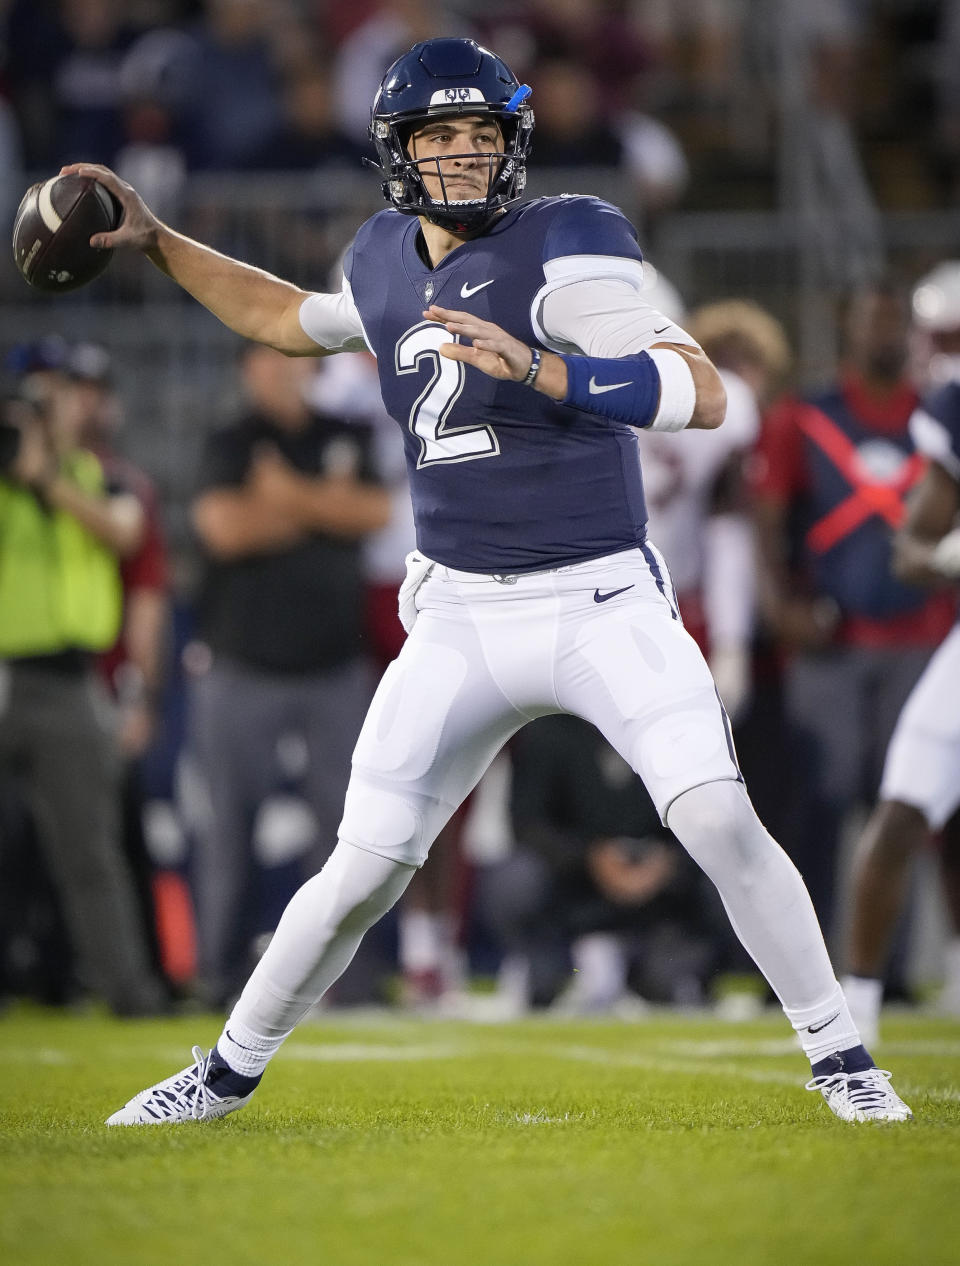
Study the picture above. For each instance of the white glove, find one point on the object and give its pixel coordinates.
(418, 569)
(946, 556)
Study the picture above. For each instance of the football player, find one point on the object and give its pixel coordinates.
(920, 789)
(516, 354)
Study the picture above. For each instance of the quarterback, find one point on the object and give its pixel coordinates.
(516, 354)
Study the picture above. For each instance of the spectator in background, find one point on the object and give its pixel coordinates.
(576, 129)
(134, 666)
(699, 42)
(389, 30)
(832, 471)
(64, 66)
(11, 160)
(920, 791)
(603, 36)
(156, 87)
(285, 499)
(307, 136)
(235, 103)
(63, 530)
(595, 881)
(697, 498)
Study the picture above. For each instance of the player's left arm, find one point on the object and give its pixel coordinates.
(669, 386)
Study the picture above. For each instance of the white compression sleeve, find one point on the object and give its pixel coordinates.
(317, 937)
(332, 321)
(768, 905)
(604, 316)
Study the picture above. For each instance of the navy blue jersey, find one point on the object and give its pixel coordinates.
(503, 478)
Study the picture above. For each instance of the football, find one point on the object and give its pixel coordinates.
(52, 231)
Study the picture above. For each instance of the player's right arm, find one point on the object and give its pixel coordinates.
(253, 303)
(926, 550)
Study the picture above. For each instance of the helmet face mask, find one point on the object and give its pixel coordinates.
(450, 78)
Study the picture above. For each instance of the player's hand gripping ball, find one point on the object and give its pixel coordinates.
(52, 231)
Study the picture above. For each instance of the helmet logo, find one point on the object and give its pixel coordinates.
(456, 96)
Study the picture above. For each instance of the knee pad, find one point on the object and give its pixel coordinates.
(388, 822)
(719, 828)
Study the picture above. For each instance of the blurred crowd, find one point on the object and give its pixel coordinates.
(684, 96)
(172, 765)
(177, 717)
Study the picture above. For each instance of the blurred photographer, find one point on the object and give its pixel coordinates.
(63, 531)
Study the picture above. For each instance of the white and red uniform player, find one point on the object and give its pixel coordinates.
(920, 787)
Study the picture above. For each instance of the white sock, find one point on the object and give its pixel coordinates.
(763, 894)
(951, 966)
(601, 967)
(245, 1051)
(825, 1027)
(865, 998)
(315, 940)
(423, 940)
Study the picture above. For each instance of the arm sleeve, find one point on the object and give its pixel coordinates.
(592, 301)
(602, 315)
(333, 321)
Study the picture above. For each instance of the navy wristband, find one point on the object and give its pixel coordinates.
(625, 388)
(535, 359)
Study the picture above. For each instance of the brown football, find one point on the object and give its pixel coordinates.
(52, 231)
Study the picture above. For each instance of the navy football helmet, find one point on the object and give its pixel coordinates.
(449, 77)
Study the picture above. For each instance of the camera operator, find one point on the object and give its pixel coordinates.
(62, 534)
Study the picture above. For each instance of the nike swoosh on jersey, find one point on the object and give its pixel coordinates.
(596, 390)
(605, 597)
(466, 290)
(662, 330)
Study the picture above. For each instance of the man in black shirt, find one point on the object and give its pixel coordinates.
(595, 877)
(285, 497)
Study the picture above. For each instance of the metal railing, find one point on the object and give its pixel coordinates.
(174, 360)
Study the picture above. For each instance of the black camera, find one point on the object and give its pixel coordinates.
(16, 412)
(9, 445)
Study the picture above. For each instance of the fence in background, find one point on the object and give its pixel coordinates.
(174, 360)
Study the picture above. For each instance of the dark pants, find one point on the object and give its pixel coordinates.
(841, 706)
(239, 717)
(57, 743)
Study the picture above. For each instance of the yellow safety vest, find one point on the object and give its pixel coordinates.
(59, 586)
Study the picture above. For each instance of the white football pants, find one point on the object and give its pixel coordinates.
(922, 768)
(602, 640)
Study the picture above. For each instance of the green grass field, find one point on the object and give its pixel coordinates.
(675, 1141)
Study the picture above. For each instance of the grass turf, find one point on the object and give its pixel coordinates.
(677, 1141)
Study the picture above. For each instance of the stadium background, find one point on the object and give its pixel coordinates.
(817, 148)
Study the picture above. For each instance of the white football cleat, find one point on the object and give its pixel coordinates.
(861, 1096)
(188, 1096)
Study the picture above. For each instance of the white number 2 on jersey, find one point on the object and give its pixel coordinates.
(431, 408)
